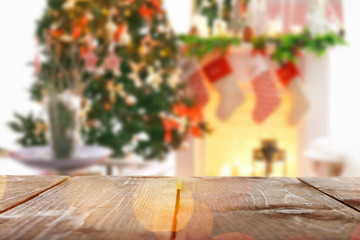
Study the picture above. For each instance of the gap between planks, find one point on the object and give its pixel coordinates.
(338, 200)
(34, 196)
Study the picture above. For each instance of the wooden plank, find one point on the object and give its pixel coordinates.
(15, 190)
(209, 208)
(346, 190)
(99, 206)
(272, 208)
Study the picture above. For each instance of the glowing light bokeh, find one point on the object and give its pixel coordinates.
(199, 227)
(154, 205)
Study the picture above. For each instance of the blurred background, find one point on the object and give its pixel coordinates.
(253, 121)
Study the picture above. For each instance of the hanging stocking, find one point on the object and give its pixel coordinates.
(267, 98)
(221, 75)
(289, 77)
(191, 73)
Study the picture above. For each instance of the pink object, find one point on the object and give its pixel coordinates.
(37, 64)
(267, 98)
(198, 88)
(112, 62)
(90, 61)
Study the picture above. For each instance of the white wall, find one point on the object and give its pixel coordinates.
(17, 26)
(344, 102)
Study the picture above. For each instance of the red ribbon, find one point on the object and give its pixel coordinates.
(193, 113)
(119, 31)
(79, 28)
(145, 11)
(287, 73)
(169, 125)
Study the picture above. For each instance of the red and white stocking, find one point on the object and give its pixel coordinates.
(289, 77)
(219, 73)
(191, 73)
(267, 97)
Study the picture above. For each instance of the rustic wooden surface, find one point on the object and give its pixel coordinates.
(346, 190)
(209, 208)
(15, 190)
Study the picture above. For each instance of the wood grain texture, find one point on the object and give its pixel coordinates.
(93, 208)
(15, 190)
(272, 208)
(346, 190)
(209, 208)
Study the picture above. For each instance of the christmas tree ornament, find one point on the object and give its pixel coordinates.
(121, 34)
(112, 62)
(174, 79)
(154, 79)
(267, 98)
(91, 61)
(146, 12)
(130, 100)
(141, 137)
(148, 44)
(107, 106)
(169, 124)
(69, 4)
(134, 75)
(115, 90)
(112, 30)
(219, 73)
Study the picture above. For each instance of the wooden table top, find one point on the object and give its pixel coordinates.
(44, 207)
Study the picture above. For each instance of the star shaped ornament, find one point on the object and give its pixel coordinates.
(112, 62)
(91, 61)
(134, 75)
(154, 79)
(148, 44)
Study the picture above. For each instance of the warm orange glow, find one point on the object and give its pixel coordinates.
(179, 184)
(229, 149)
(155, 209)
(199, 227)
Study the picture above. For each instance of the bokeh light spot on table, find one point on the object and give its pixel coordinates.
(154, 205)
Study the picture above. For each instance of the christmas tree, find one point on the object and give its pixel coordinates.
(121, 57)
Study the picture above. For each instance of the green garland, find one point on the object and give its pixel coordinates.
(199, 47)
(287, 46)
